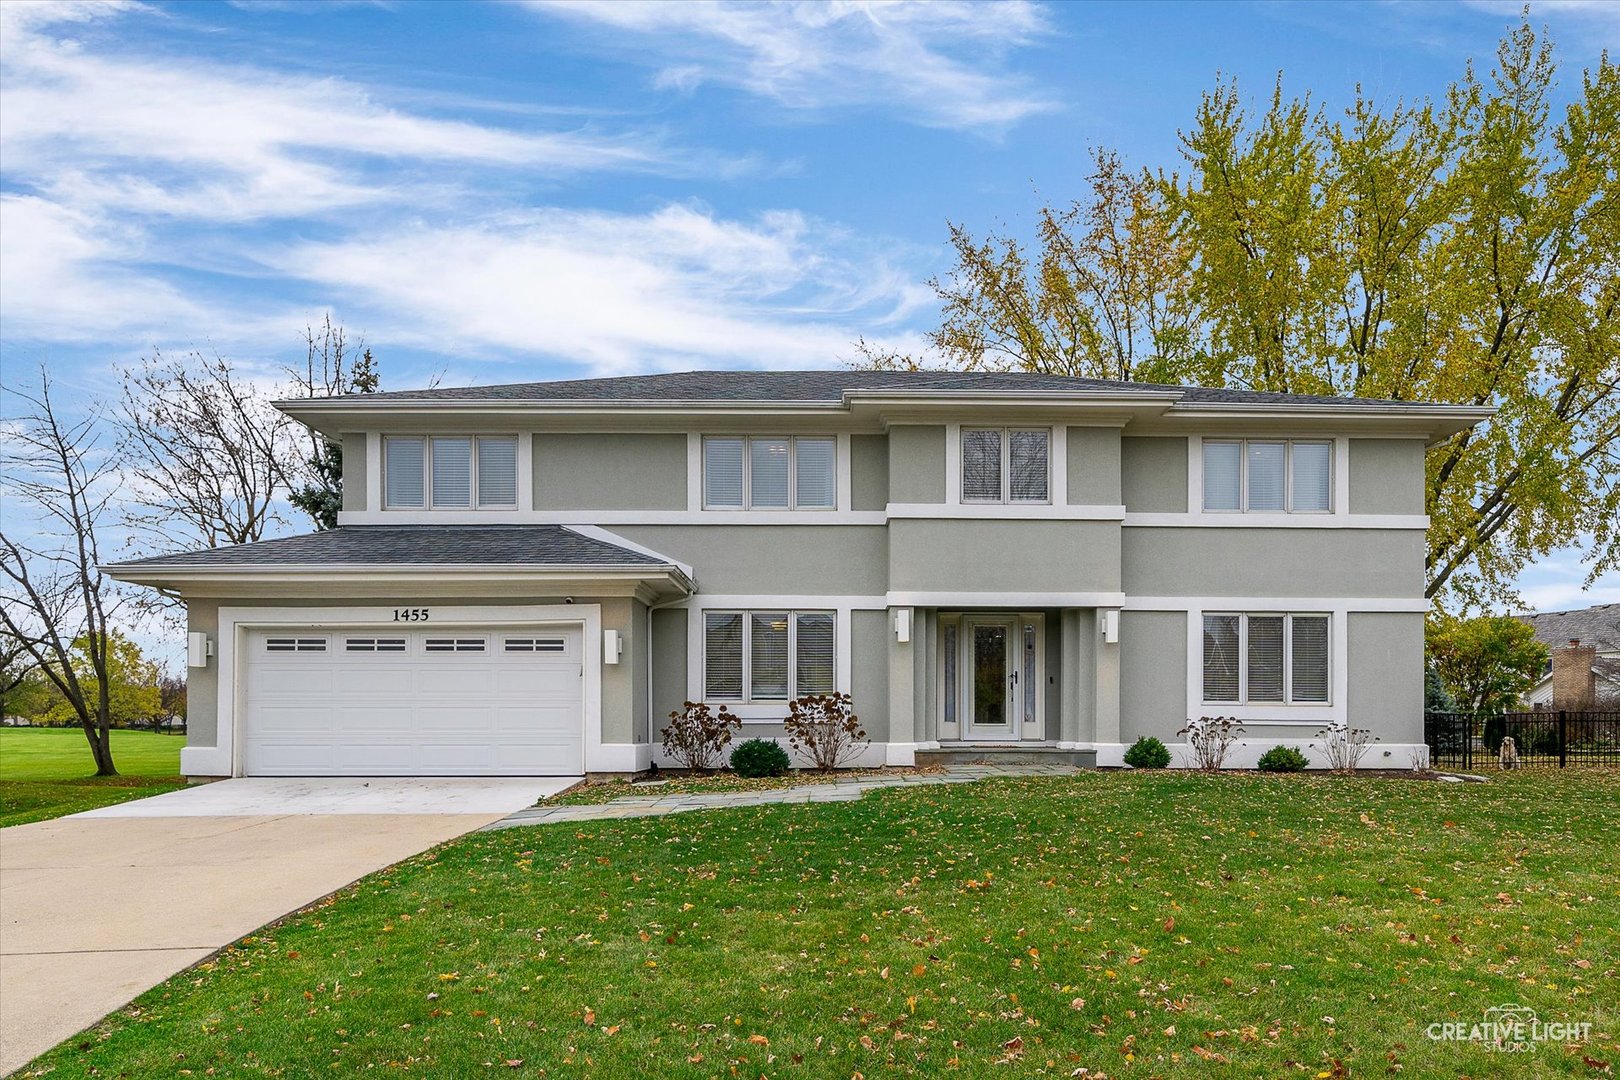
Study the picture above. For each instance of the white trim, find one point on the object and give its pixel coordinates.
(819, 601)
(1018, 511)
(1274, 521)
(1011, 601)
(900, 753)
(1057, 466)
(525, 472)
(843, 475)
(374, 477)
(953, 464)
(223, 758)
(766, 712)
(694, 474)
(1245, 753)
(871, 756)
(613, 517)
(1358, 604)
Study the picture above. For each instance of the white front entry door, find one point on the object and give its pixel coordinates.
(992, 697)
(381, 702)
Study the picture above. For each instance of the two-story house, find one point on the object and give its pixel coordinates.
(527, 579)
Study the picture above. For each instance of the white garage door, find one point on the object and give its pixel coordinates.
(370, 702)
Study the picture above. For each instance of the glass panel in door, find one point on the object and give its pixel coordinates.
(991, 680)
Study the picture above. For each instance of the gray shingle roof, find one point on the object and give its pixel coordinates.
(1599, 625)
(829, 386)
(419, 545)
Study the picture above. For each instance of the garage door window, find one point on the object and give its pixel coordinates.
(454, 644)
(295, 644)
(536, 644)
(374, 644)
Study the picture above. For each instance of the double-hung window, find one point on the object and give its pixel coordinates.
(1268, 476)
(767, 655)
(762, 472)
(1002, 465)
(1265, 659)
(450, 472)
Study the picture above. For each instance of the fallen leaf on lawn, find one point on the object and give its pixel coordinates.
(590, 1017)
(759, 1040)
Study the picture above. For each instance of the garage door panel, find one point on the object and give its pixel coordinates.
(362, 711)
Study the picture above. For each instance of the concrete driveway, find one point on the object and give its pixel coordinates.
(98, 907)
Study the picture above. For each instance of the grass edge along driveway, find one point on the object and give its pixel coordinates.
(1128, 924)
(48, 772)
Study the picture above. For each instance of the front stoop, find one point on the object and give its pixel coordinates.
(1006, 754)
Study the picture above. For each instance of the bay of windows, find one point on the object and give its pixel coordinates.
(450, 472)
(1006, 465)
(758, 472)
(767, 655)
(1268, 475)
(1266, 658)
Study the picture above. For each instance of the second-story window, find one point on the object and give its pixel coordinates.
(1006, 465)
(759, 472)
(1268, 475)
(450, 472)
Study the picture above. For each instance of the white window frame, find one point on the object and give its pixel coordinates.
(472, 476)
(1288, 475)
(748, 471)
(1006, 498)
(748, 614)
(1287, 659)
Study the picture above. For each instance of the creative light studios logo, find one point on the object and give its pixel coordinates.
(1509, 1029)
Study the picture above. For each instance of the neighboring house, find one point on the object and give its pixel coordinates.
(527, 579)
(1584, 668)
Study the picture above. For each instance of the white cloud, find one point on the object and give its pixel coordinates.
(1555, 582)
(936, 62)
(1602, 16)
(620, 292)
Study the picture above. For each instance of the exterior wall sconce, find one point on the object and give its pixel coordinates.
(1110, 626)
(902, 624)
(198, 649)
(612, 646)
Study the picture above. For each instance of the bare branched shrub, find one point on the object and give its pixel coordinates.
(1210, 739)
(695, 736)
(1344, 746)
(825, 730)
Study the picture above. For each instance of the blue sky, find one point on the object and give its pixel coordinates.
(505, 192)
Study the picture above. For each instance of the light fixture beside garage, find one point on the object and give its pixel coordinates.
(612, 646)
(1110, 626)
(198, 649)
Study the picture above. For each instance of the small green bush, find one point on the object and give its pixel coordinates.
(1283, 759)
(759, 757)
(1148, 753)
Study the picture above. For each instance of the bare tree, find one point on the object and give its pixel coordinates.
(330, 369)
(53, 591)
(205, 451)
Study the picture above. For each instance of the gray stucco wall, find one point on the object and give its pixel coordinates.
(202, 684)
(754, 559)
(1273, 562)
(1386, 476)
(869, 472)
(1004, 556)
(917, 464)
(1152, 675)
(354, 471)
(622, 707)
(869, 674)
(668, 665)
(1153, 475)
(620, 471)
(1093, 466)
(1386, 679)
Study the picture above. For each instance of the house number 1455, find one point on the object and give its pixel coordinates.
(410, 614)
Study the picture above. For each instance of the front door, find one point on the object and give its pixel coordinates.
(992, 707)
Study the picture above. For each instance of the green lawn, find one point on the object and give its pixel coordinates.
(593, 792)
(48, 772)
(1129, 924)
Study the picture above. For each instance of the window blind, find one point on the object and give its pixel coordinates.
(768, 474)
(1310, 660)
(497, 472)
(1220, 657)
(1312, 476)
(1266, 480)
(1223, 475)
(723, 473)
(768, 656)
(402, 465)
(981, 466)
(452, 472)
(816, 479)
(1265, 657)
(723, 655)
(815, 654)
(1027, 455)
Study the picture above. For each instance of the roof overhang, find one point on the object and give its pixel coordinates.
(650, 583)
(1432, 423)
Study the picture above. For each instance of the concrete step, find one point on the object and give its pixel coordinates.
(1006, 754)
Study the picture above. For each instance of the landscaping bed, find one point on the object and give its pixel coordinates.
(1128, 924)
(592, 792)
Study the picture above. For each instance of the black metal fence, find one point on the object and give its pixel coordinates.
(1549, 738)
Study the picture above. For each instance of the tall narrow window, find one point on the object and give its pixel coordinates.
(815, 473)
(1223, 476)
(452, 473)
(403, 471)
(768, 656)
(723, 656)
(1028, 677)
(981, 466)
(1220, 657)
(814, 653)
(1265, 657)
(1312, 477)
(723, 473)
(1310, 660)
(497, 471)
(1029, 454)
(948, 646)
(769, 473)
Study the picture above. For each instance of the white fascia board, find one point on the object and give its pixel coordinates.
(159, 575)
(1435, 422)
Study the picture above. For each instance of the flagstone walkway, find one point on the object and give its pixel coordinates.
(837, 790)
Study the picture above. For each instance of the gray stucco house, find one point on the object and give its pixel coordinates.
(526, 579)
